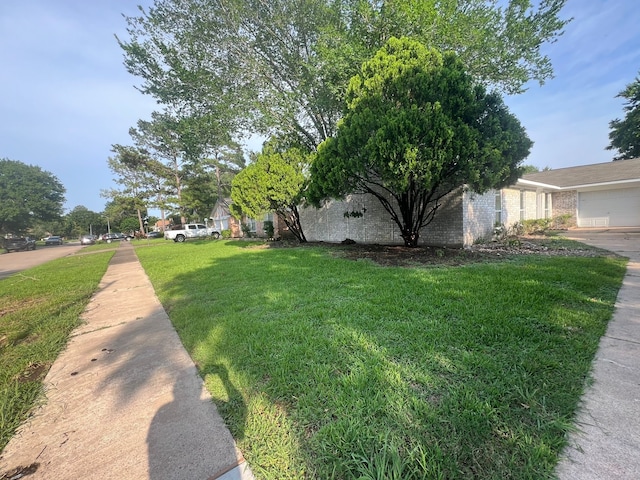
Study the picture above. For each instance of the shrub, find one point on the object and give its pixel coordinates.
(268, 228)
(499, 231)
(536, 226)
(246, 230)
(561, 222)
(225, 233)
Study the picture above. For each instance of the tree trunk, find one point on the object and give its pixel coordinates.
(292, 220)
(140, 221)
(410, 238)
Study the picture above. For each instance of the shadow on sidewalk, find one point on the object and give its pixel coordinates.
(181, 443)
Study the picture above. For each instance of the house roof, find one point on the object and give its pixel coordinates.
(221, 208)
(620, 171)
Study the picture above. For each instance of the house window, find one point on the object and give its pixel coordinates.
(251, 223)
(221, 223)
(547, 205)
(523, 202)
(498, 207)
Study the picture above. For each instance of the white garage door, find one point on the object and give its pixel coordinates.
(609, 208)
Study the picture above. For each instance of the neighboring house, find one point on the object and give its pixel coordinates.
(223, 220)
(601, 195)
(162, 225)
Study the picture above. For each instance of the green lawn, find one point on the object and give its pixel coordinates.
(39, 309)
(329, 368)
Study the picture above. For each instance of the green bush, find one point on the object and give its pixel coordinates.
(268, 228)
(561, 222)
(536, 226)
(246, 230)
(225, 233)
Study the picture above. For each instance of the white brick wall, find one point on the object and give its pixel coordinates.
(463, 218)
(479, 215)
(511, 206)
(329, 224)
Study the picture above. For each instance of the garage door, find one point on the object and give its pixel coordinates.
(609, 208)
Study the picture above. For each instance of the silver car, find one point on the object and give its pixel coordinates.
(87, 240)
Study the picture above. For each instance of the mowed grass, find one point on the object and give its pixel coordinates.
(39, 309)
(329, 368)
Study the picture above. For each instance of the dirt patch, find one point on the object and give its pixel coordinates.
(19, 472)
(21, 304)
(34, 372)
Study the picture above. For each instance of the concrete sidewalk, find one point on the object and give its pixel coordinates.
(124, 399)
(607, 443)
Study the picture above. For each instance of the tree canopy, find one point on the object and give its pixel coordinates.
(81, 221)
(273, 183)
(282, 67)
(27, 194)
(625, 133)
(417, 128)
(137, 174)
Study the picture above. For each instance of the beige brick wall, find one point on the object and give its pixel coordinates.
(563, 203)
(511, 206)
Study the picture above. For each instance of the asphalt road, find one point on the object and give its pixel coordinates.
(15, 262)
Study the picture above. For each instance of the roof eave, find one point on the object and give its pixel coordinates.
(531, 183)
(576, 187)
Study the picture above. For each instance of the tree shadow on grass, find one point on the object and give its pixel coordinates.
(322, 337)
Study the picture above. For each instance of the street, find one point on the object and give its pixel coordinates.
(14, 262)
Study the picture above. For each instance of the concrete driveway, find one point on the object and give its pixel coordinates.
(623, 241)
(15, 262)
(607, 441)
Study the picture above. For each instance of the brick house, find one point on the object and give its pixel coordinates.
(161, 225)
(606, 194)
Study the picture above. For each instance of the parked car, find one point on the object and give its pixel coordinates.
(87, 240)
(15, 244)
(190, 230)
(53, 240)
(113, 237)
(213, 232)
(155, 235)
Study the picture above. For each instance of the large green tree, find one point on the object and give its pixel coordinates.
(625, 134)
(166, 139)
(179, 146)
(416, 129)
(27, 194)
(81, 220)
(119, 213)
(211, 179)
(282, 67)
(136, 174)
(274, 182)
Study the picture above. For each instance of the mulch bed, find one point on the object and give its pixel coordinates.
(397, 255)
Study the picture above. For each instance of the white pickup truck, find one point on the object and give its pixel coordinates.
(190, 230)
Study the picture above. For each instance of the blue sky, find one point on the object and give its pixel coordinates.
(66, 96)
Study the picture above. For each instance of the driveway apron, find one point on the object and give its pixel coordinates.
(606, 444)
(124, 399)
